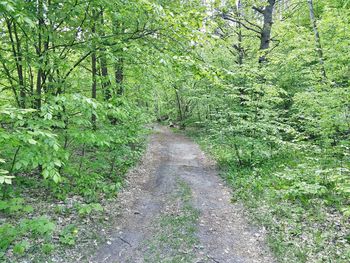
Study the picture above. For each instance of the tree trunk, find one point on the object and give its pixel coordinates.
(239, 46)
(119, 75)
(119, 63)
(38, 89)
(17, 55)
(93, 68)
(106, 83)
(265, 36)
(317, 40)
(39, 54)
(239, 34)
(179, 105)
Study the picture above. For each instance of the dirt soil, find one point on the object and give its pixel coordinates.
(223, 231)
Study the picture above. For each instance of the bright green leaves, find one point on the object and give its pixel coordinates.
(4, 177)
(87, 209)
(21, 247)
(8, 234)
(323, 113)
(30, 144)
(15, 205)
(7, 5)
(68, 235)
(38, 228)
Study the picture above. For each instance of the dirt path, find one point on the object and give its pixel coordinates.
(176, 209)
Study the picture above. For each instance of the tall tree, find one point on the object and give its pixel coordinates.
(262, 28)
(265, 36)
(119, 75)
(106, 83)
(40, 55)
(17, 55)
(318, 44)
(93, 65)
(239, 46)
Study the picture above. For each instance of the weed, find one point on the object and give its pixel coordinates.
(68, 235)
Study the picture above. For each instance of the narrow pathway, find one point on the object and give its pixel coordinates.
(177, 209)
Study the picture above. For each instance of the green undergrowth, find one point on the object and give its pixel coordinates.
(298, 195)
(176, 230)
(40, 218)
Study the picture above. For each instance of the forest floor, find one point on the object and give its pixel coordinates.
(177, 209)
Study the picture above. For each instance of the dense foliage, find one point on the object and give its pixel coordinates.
(76, 92)
(264, 85)
(277, 119)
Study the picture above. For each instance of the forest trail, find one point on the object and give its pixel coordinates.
(177, 209)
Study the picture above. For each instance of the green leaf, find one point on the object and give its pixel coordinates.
(32, 141)
(29, 21)
(6, 179)
(21, 247)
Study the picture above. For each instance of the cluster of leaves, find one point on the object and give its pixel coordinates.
(30, 139)
(15, 205)
(18, 235)
(68, 235)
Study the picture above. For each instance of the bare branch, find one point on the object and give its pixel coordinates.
(229, 18)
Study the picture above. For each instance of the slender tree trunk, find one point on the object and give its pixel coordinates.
(265, 37)
(119, 75)
(38, 89)
(22, 90)
(31, 84)
(106, 83)
(17, 54)
(14, 159)
(179, 104)
(119, 63)
(319, 49)
(239, 46)
(93, 86)
(93, 69)
(39, 77)
(239, 34)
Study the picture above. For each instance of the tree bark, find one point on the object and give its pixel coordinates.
(119, 63)
(265, 37)
(93, 68)
(106, 83)
(319, 49)
(239, 34)
(178, 101)
(39, 54)
(119, 75)
(239, 46)
(17, 55)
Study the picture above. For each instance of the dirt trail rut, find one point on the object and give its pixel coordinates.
(222, 232)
